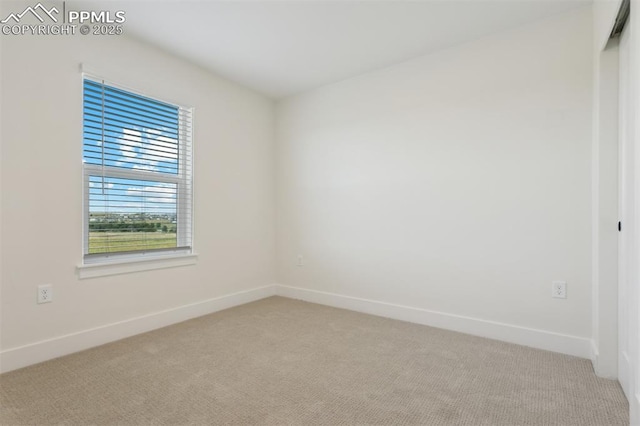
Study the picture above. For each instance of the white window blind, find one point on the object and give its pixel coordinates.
(137, 174)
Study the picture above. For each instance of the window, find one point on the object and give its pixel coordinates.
(137, 175)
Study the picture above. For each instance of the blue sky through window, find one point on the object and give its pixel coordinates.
(128, 131)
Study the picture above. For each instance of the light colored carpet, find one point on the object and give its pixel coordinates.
(281, 361)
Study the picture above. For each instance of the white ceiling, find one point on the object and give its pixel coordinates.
(281, 48)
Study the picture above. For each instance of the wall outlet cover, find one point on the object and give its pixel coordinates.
(45, 293)
(559, 289)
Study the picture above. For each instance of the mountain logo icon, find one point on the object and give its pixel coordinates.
(38, 11)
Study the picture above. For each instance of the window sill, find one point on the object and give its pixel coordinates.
(95, 270)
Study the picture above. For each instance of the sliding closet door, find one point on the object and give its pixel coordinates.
(627, 224)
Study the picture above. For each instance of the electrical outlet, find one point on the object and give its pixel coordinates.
(300, 260)
(45, 293)
(559, 289)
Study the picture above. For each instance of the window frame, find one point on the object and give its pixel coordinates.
(184, 252)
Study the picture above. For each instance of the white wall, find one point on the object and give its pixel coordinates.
(458, 182)
(42, 210)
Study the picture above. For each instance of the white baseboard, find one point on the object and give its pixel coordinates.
(595, 353)
(624, 376)
(595, 356)
(634, 411)
(541, 339)
(22, 356)
(603, 367)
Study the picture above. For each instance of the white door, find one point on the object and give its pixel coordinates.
(626, 213)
